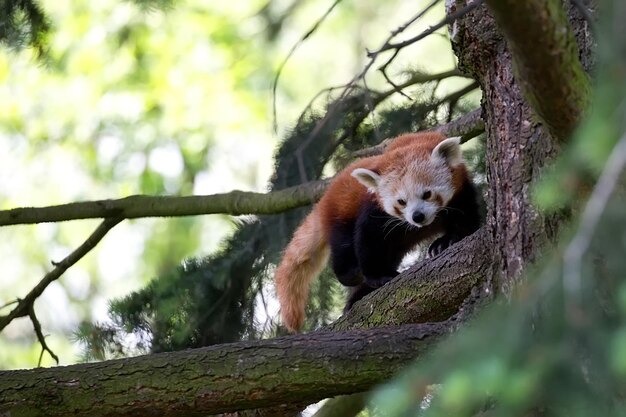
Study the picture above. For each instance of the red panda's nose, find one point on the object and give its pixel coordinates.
(418, 217)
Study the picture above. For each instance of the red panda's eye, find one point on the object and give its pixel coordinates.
(401, 202)
(426, 195)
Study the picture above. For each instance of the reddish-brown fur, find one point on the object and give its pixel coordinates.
(308, 251)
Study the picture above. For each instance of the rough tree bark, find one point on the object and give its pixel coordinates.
(518, 145)
(137, 206)
(299, 369)
(491, 260)
(532, 23)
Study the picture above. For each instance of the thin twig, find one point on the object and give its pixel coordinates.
(40, 337)
(373, 55)
(449, 19)
(25, 304)
(572, 257)
(383, 68)
(379, 97)
(350, 86)
(290, 53)
(9, 304)
(383, 71)
(431, 107)
(421, 78)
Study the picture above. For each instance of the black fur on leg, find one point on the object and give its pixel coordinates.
(460, 218)
(355, 294)
(343, 259)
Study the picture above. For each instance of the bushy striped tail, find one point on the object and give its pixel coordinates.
(303, 260)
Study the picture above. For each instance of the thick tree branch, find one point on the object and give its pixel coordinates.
(546, 61)
(136, 206)
(467, 126)
(234, 202)
(220, 378)
(294, 369)
(446, 289)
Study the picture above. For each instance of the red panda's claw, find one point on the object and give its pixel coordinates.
(378, 281)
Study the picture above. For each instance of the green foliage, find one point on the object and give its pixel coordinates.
(150, 5)
(23, 23)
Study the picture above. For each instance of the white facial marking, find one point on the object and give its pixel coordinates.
(410, 184)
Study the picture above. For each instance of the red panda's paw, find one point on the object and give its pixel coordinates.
(441, 244)
(378, 281)
(355, 294)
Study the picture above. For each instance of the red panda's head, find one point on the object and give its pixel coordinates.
(414, 186)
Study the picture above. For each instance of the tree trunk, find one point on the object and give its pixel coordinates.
(518, 146)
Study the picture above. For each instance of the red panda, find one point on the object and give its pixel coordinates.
(374, 212)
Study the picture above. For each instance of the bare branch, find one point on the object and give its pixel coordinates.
(467, 126)
(25, 305)
(417, 78)
(383, 68)
(40, 337)
(352, 85)
(10, 303)
(374, 55)
(291, 52)
(132, 207)
(449, 19)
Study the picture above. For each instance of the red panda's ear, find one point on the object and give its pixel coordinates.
(449, 151)
(368, 178)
